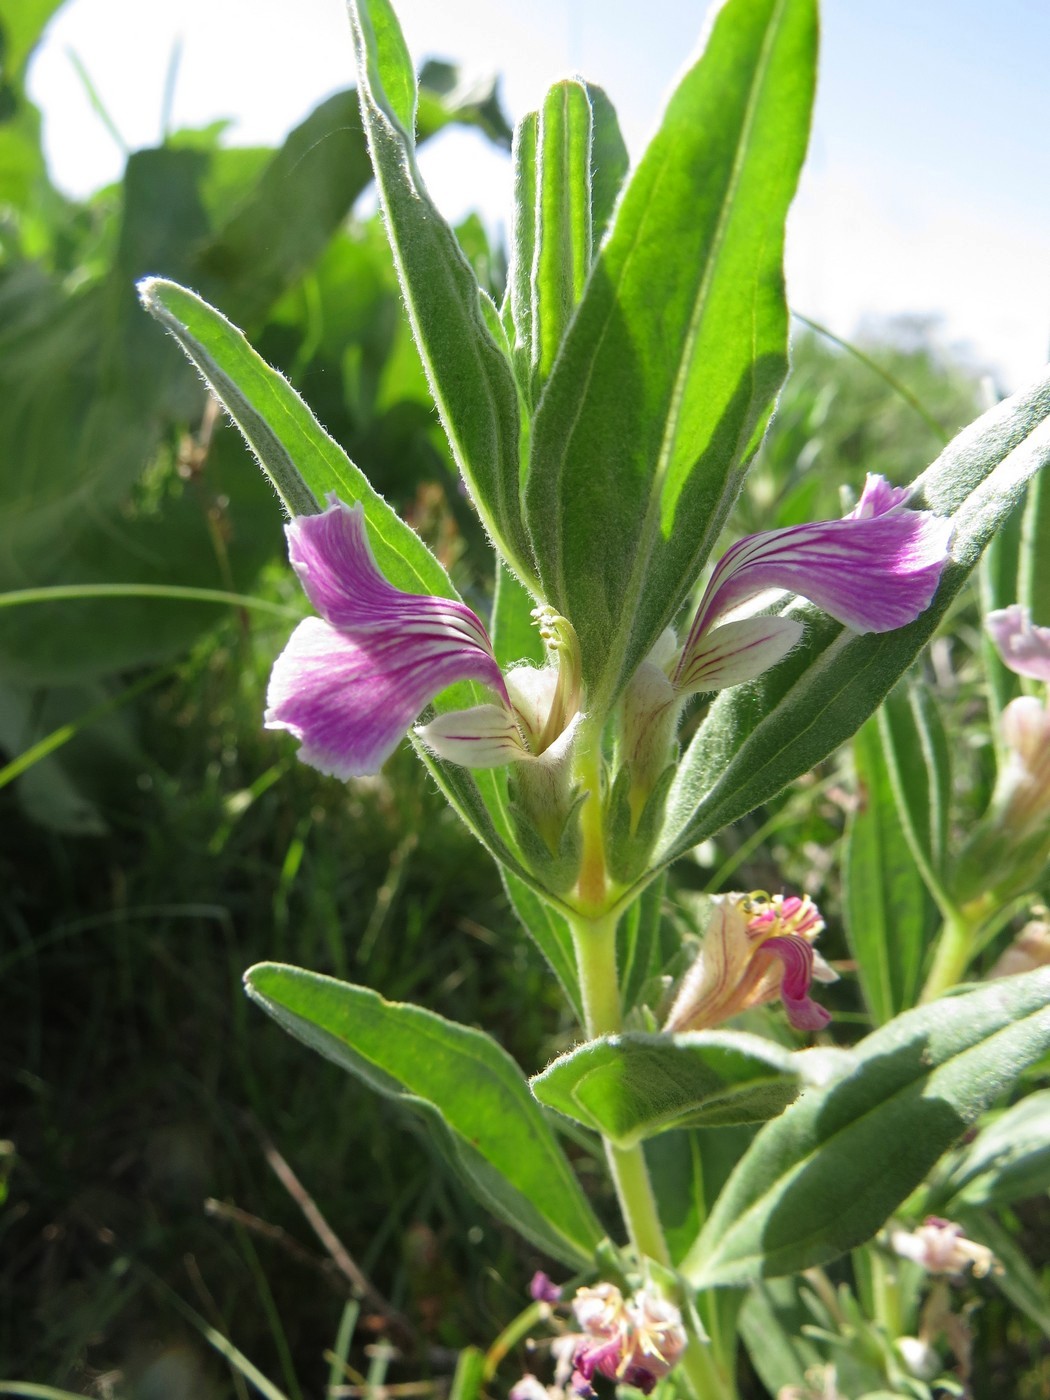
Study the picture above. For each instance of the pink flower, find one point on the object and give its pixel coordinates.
(756, 948)
(635, 1341)
(941, 1248)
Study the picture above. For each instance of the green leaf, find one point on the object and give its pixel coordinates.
(666, 378)
(281, 227)
(469, 1377)
(294, 451)
(999, 588)
(825, 1176)
(609, 162)
(551, 934)
(887, 911)
(688, 1169)
(1008, 1161)
(22, 25)
(469, 1091)
(758, 738)
(1016, 1280)
(771, 1323)
(469, 375)
(517, 308)
(1033, 576)
(562, 257)
(636, 1085)
(515, 636)
(640, 956)
(919, 764)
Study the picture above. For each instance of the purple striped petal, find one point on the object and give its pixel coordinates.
(483, 737)
(736, 652)
(349, 684)
(874, 571)
(349, 700)
(333, 558)
(1023, 647)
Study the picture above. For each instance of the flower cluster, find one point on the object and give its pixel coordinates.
(756, 947)
(350, 683)
(634, 1341)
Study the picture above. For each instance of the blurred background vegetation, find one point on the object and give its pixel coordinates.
(163, 842)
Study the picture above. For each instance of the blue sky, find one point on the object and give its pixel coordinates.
(928, 185)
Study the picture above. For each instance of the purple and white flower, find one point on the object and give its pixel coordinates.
(350, 682)
(874, 570)
(756, 948)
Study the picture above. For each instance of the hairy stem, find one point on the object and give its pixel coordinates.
(595, 944)
(955, 946)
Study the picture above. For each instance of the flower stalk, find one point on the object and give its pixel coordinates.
(595, 944)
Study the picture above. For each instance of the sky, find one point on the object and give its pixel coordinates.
(926, 191)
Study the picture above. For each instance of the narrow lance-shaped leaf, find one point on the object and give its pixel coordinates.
(640, 954)
(1000, 588)
(665, 380)
(515, 635)
(468, 1089)
(758, 738)
(633, 1086)
(887, 910)
(825, 1176)
(562, 254)
(1033, 576)
(1008, 1160)
(609, 162)
(469, 375)
(304, 464)
(550, 932)
(517, 308)
(919, 764)
(294, 451)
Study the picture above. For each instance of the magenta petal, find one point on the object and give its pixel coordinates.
(797, 956)
(349, 686)
(873, 572)
(349, 700)
(331, 554)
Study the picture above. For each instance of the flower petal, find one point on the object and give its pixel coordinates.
(349, 700)
(873, 572)
(333, 558)
(483, 737)
(1023, 647)
(797, 957)
(532, 690)
(736, 652)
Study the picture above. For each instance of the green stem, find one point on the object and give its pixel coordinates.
(511, 1335)
(593, 884)
(886, 1293)
(956, 945)
(706, 1378)
(595, 944)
